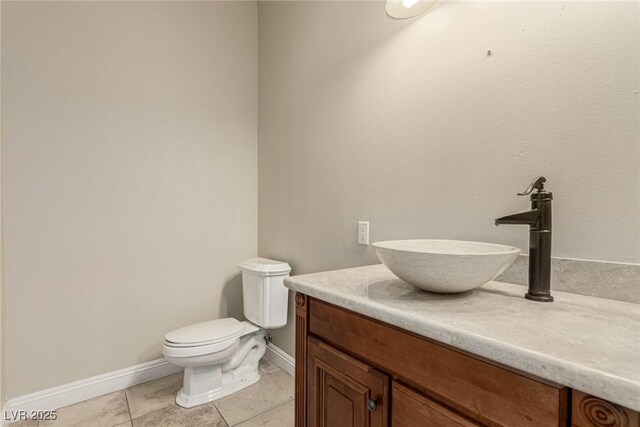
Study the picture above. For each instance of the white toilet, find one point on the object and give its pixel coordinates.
(221, 356)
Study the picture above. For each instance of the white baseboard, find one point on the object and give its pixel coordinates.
(78, 391)
(68, 394)
(281, 359)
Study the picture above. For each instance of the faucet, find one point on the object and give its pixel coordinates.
(539, 221)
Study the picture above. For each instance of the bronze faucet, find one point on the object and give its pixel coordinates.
(539, 221)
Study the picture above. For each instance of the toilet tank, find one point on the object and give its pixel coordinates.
(264, 295)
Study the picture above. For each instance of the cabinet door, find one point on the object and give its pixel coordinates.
(343, 391)
(411, 409)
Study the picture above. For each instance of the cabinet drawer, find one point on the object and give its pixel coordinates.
(480, 390)
(411, 409)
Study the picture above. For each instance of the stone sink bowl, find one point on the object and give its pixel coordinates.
(445, 266)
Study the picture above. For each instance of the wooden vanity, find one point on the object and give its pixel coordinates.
(352, 370)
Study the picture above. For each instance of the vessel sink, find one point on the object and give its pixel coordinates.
(445, 266)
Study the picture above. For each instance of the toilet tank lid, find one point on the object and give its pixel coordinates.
(264, 266)
(208, 332)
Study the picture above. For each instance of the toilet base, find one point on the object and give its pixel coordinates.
(236, 369)
(186, 401)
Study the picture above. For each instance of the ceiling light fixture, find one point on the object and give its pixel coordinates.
(403, 9)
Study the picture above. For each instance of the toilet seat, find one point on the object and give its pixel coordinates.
(198, 350)
(205, 333)
(203, 338)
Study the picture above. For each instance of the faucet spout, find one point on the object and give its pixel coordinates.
(539, 221)
(525, 218)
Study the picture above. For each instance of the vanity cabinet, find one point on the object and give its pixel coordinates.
(352, 370)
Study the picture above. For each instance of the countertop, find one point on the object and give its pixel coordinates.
(586, 343)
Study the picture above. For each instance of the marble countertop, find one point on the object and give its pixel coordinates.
(589, 344)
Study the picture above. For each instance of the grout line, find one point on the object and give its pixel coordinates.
(155, 410)
(220, 413)
(262, 413)
(215, 405)
(173, 401)
(128, 407)
(149, 413)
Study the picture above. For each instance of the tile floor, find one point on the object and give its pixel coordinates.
(268, 403)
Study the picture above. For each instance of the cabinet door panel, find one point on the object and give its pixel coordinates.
(411, 409)
(340, 387)
(343, 402)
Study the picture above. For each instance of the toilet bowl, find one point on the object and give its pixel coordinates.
(222, 356)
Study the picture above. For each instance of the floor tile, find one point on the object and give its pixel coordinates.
(127, 424)
(282, 416)
(252, 401)
(153, 395)
(267, 367)
(284, 381)
(25, 423)
(104, 411)
(200, 416)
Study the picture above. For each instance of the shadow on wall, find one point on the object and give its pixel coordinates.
(231, 298)
(230, 306)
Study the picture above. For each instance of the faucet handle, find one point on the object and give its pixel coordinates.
(536, 184)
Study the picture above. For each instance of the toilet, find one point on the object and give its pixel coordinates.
(221, 356)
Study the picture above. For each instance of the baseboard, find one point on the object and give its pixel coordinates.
(68, 394)
(281, 359)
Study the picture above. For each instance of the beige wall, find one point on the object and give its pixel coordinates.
(130, 169)
(411, 126)
(130, 178)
